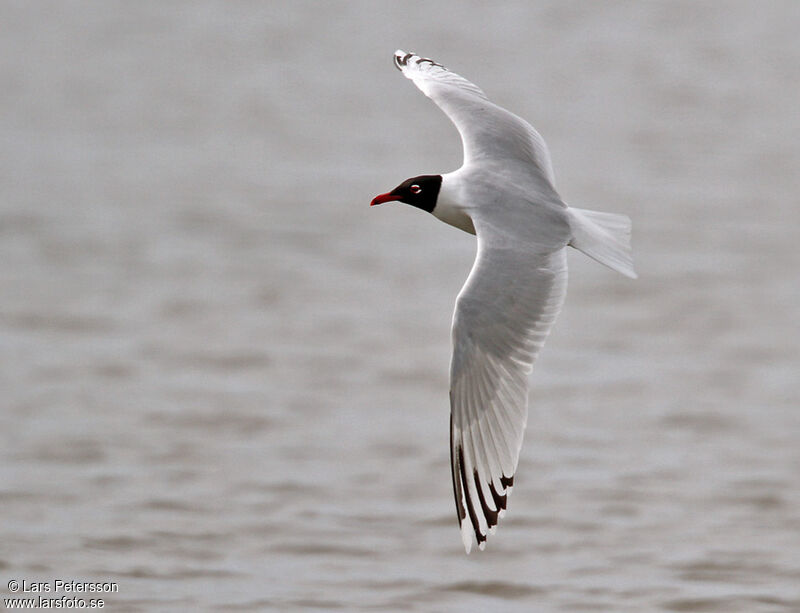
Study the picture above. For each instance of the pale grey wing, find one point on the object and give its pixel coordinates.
(503, 315)
(487, 131)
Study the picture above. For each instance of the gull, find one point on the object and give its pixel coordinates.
(504, 194)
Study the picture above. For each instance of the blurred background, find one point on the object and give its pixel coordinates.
(224, 378)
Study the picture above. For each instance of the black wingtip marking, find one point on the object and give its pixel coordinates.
(499, 501)
(460, 510)
(507, 481)
(491, 516)
(431, 62)
(399, 62)
(470, 509)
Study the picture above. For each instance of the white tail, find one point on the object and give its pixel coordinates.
(605, 237)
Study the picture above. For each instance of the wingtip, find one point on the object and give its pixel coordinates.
(400, 59)
(466, 537)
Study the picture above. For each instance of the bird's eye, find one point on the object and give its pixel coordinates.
(415, 189)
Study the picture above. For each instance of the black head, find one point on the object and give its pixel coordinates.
(420, 192)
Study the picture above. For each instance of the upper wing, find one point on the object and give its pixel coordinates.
(503, 315)
(487, 130)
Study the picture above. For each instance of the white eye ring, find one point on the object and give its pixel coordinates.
(415, 189)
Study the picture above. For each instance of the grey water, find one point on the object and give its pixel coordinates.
(223, 377)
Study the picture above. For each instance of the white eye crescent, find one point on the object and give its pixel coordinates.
(415, 189)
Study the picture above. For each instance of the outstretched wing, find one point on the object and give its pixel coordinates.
(503, 315)
(488, 132)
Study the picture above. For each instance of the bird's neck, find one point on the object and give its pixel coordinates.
(449, 205)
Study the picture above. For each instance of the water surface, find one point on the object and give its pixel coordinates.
(224, 377)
